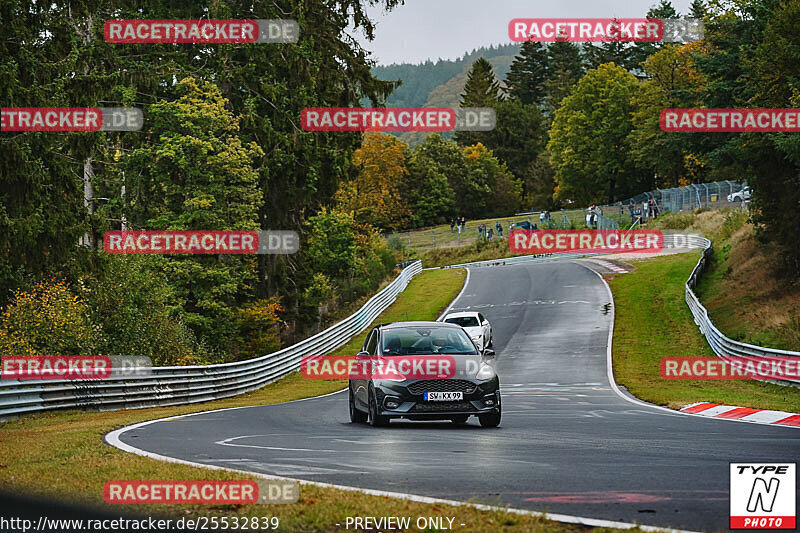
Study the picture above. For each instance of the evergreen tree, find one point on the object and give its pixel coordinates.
(565, 67)
(641, 51)
(482, 88)
(528, 74)
(697, 9)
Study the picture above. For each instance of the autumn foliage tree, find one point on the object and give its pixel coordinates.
(374, 196)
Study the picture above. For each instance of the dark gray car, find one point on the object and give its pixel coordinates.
(471, 388)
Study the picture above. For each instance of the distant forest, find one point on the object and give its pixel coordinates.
(419, 80)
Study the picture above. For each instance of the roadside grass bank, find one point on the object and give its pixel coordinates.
(748, 294)
(440, 237)
(652, 321)
(477, 251)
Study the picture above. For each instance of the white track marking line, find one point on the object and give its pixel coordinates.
(449, 307)
(113, 439)
(610, 371)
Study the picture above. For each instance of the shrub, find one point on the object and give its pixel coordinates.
(258, 329)
(139, 313)
(49, 320)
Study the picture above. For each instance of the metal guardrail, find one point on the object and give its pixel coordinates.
(725, 348)
(177, 385)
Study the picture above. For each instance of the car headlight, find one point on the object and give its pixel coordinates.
(485, 372)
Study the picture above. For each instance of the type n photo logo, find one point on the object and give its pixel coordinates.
(763, 495)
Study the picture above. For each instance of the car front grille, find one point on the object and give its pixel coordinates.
(442, 385)
(438, 407)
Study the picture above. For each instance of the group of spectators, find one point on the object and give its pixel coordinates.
(485, 232)
(648, 210)
(458, 222)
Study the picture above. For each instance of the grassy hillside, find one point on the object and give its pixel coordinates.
(747, 295)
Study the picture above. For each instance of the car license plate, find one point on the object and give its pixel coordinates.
(443, 396)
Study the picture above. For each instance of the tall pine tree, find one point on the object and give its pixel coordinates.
(528, 73)
(481, 90)
(565, 67)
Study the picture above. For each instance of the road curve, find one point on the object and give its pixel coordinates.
(568, 443)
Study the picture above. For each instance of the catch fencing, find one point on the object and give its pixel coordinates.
(177, 385)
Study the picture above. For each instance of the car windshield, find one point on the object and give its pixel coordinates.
(426, 341)
(464, 321)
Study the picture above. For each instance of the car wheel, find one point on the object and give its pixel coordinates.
(459, 420)
(374, 418)
(356, 416)
(491, 420)
(737, 199)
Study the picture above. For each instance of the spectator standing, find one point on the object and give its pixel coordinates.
(499, 227)
(452, 224)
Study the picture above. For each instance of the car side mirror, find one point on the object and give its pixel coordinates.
(488, 353)
(485, 323)
(362, 354)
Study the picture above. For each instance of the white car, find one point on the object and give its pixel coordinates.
(476, 326)
(740, 196)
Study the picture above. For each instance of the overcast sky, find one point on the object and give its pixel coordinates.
(423, 29)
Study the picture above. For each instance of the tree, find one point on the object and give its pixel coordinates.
(565, 67)
(539, 183)
(773, 159)
(673, 81)
(482, 88)
(427, 190)
(374, 196)
(197, 174)
(504, 191)
(525, 80)
(697, 9)
(441, 157)
(519, 136)
(587, 140)
(641, 51)
(332, 243)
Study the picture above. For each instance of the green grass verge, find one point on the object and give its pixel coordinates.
(653, 321)
(61, 456)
